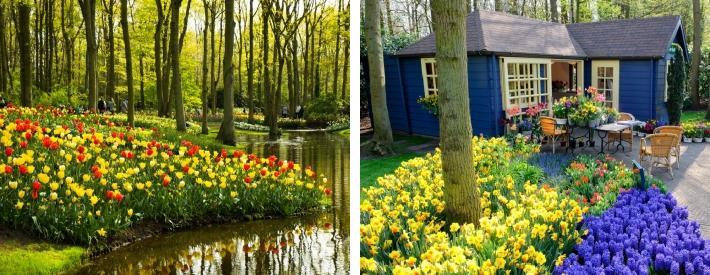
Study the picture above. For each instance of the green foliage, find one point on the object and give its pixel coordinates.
(676, 86)
(704, 75)
(324, 109)
(395, 42)
(29, 257)
(291, 123)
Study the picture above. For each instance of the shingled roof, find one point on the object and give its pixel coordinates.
(504, 34)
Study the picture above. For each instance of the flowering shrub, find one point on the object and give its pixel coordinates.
(524, 228)
(340, 124)
(430, 103)
(250, 127)
(645, 232)
(82, 178)
(563, 106)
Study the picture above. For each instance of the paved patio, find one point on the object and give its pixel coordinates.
(691, 183)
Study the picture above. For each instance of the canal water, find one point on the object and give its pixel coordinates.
(311, 244)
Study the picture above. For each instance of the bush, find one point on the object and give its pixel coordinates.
(291, 123)
(676, 86)
(325, 108)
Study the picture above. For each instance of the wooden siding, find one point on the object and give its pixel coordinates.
(636, 88)
(484, 94)
(395, 97)
(422, 122)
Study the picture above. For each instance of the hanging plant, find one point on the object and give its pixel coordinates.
(430, 103)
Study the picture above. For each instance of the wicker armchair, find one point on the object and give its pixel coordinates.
(550, 130)
(659, 150)
(676, 130)
(627, 134)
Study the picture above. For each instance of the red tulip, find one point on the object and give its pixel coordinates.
(247, 180)
(9, 151)
(23, 144)
(246, 167)
(35, 194)
(109, 194)
(276, 174)
(186, 169)
(28, 135)
(166, 181)
(81, 149)
(118, 197)
(23, 169)
(36, 185)
(263, 172)
(327, 191)
(8, 169)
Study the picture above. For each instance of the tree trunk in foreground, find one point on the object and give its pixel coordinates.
(129, 60)
(373, 38)
(228, 120)
(175, 83)
(460, 190)
(23, 35)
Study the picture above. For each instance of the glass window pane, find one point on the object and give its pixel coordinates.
(600, 72)
(429, 69)
(430, 82)
(609, 72)
(609, 83)
(600, 83)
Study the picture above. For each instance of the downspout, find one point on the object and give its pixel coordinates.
(405, 99)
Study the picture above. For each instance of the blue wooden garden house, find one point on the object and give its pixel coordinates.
(514, 60)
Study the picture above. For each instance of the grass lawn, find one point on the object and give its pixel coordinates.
(372, 168)
(692, 116)
(19, 255)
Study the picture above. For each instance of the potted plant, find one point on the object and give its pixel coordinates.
(561, 109)
(512, 115)
(688, 132)
(707, 133)
(699, 132)
(430, 103)
(650, 125)
(612, 115)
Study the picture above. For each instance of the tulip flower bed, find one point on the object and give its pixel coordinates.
(83, 178)
(646, 232)
(524, 227)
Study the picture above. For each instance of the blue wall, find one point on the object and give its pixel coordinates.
(636, 88)
(395, 97)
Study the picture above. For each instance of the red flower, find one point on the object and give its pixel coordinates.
(35, 194)
(276, 174)
(23, 144)
(186, 169)
(166, 181)
(28, 135)
(109, 194)
(247, 180)
(46, 142)
(290, 164)
(9, 151)
(327, 225)
(237, 154)
(263, 172)
(8, 169)
(81, 157)
(23, 169)
(246, 167)
(118, 197)
(81, 149)
(327, 191)
(36, 185)
(149, 151)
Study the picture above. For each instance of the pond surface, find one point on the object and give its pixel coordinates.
(310, 244)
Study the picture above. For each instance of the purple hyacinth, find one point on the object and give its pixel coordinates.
(644, 229)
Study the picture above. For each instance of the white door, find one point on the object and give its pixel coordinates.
(605, 77)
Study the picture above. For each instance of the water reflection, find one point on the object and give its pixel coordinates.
(311, 244)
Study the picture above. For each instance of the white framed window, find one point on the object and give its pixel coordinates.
(525, 82)
(605, 76)
(429, 75)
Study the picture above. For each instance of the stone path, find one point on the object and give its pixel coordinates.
(691, 182)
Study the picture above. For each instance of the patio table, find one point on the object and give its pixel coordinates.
(611, 127)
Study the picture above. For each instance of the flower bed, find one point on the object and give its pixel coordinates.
(524, 228)
(82, 178)
(645, 232)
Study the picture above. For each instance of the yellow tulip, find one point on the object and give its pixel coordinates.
(13, 185)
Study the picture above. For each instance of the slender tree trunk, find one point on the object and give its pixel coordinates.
(460, 189)
(390, 24)
(250, 66)
(213, 81)
(265, 62)
(554, 13)
(227, 133)
(337, 50)
(157, 50)
(88, 8)
(142, 75)
(111, 64)
(346, 66)
(23, 36)
(375, 58)
(205, 88)
(176, 80)
(296, 84)
(129, 61)
(3, 53)
(167, 96)
(695, 62)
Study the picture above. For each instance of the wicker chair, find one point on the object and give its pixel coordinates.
(627, 134)
(659, 150)
(550, 130)
(676, 130)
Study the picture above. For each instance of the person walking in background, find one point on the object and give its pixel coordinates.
(101, 105)
(124, 106)
(111, 105)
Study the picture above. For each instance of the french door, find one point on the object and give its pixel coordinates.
(605, 77)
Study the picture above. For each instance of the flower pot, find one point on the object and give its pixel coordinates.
(707, 139)
(641, 134)
(687, 139)
(561, 121)
(697, 140)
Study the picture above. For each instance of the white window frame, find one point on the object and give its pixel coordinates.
(429, 91)
(614, 64)
(528, 82)
(665, 92)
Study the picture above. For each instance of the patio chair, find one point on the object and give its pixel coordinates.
(550, 130)
(659, 150)
(627, 134)
(676, 130)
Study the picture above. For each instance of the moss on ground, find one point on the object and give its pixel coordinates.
(22, 255)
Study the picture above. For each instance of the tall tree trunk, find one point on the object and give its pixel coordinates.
(390, 24)
(157, 50)
(49, 44)
(346, 66)
(129, 61)
(88, 8)
(111, 63)
(142, 75)
(265, 62)
(375, 58)
(227, 133)
(695, 62)
(205, 88)
(176, 81)
(337, 49)
(3, 53)
(23, 36)
(460, 189)
(554, 13)
(295, 73)
(167, 96)
(213, 81)
(250, 66)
